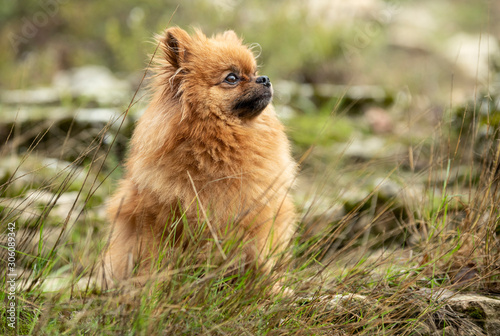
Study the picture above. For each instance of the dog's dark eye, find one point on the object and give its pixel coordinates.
(231, 79)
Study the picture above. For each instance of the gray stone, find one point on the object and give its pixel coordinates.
(365, 148)
(38, 96)
(482, 310)
(100, 115)
(94, 82)
(334, 13)
(415, 27)
(472, 53)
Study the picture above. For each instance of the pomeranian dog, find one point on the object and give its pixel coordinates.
(208, 149)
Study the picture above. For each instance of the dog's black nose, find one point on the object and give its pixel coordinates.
(263, 80)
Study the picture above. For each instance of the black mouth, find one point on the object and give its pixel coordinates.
(250, 108)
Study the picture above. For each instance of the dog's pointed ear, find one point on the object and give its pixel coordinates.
(229, 35)
(176, 43)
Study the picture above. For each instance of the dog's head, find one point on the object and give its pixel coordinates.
(214, 75)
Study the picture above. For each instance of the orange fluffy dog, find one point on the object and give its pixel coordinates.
(209, 141)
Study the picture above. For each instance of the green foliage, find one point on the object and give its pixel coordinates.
(321, 130)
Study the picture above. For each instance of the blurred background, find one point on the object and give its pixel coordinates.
(391, 106)
(422, 47)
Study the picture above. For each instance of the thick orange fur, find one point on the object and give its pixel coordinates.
(192, 146)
